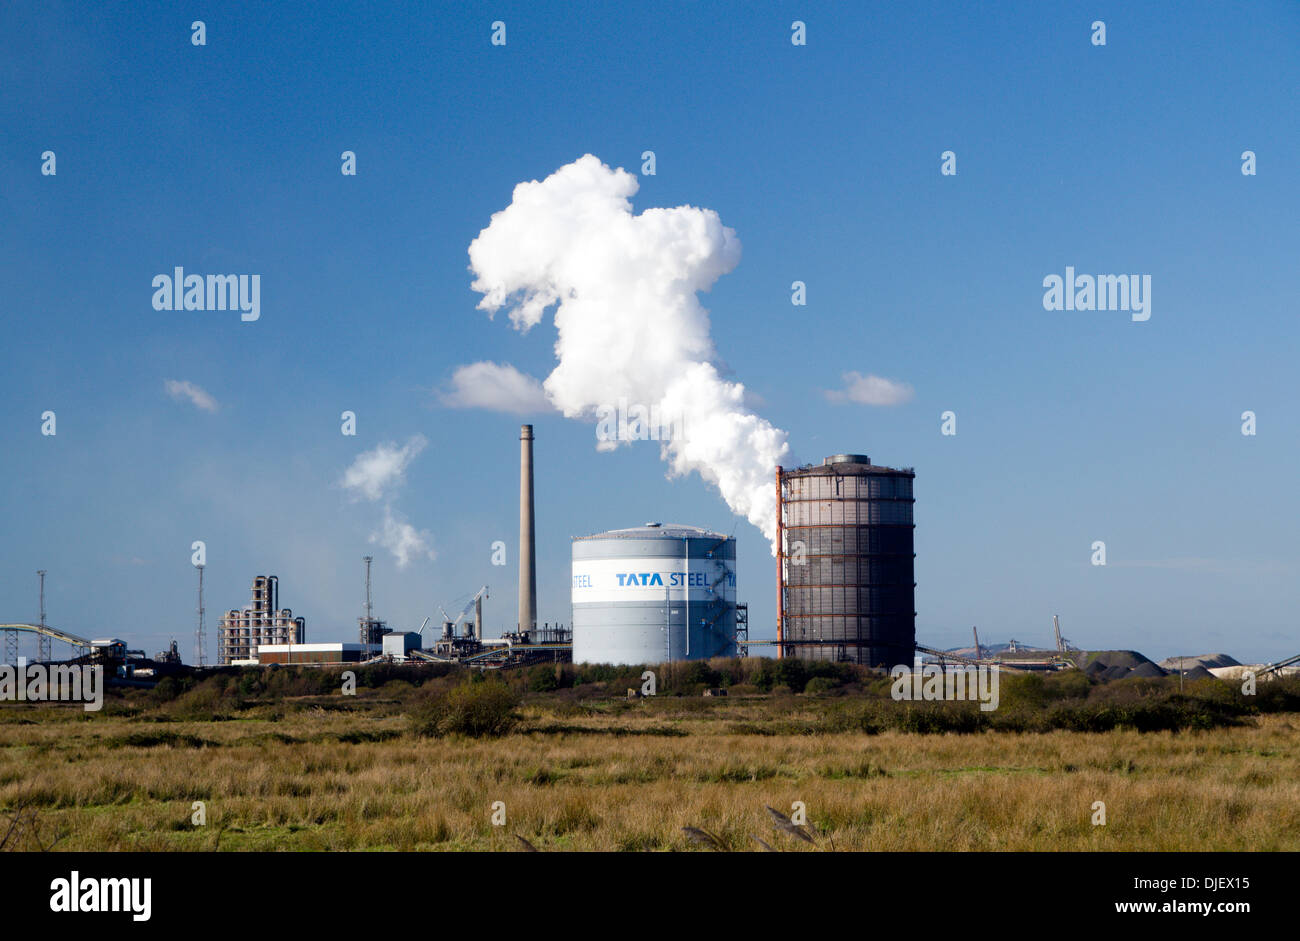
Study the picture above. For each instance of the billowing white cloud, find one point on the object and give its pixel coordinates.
(403, 540)
(628, 320)
(870, 390)
(499, 387)
(186, 390)
(376, 472)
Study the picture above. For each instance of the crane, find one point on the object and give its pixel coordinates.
(471, 605)
(1062, 644)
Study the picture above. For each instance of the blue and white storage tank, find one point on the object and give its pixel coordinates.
(652, 594)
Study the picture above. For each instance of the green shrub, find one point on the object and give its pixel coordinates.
(214, 698)
(543, 679)
(821, 684)
(790, 672)
(1276, 695)
(477, 708)
(1028, 690)
(1068, 684)
(694, 676)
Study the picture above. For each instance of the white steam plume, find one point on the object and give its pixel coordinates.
(629, 322)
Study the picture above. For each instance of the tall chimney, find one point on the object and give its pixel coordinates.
(527, 564)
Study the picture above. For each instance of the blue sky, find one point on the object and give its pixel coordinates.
(1073, 426)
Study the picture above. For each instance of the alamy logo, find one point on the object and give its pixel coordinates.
(41, 682)
(934, 683)
(75, 894)
(637, 422)
(1102, 292)
(181, 291)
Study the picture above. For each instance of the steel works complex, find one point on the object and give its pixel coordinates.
(653, 593)
(661, 592)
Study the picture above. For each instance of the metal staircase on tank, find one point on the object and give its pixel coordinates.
(719, 606)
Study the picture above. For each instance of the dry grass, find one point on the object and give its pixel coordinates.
(631, 777)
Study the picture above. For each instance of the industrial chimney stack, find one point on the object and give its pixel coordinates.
(527, 563)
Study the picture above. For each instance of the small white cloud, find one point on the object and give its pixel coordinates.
(375, 472)
(499, 387)
(197, 396)
(403, 540)
(870, 390)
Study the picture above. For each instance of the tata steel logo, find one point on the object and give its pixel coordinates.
(654, 579)
(644, 578)
(675, 580)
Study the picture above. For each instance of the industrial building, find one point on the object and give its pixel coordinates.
(253, 637)
(399, 645)
(652, 594)
(241, 633)
(845, 562)
(315, 654)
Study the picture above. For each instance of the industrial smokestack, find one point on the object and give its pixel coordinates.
(527, 564)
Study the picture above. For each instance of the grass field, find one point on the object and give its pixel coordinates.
(348, 773)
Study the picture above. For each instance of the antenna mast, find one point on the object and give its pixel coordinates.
(43, 639)
(200, 635)
(369, 613)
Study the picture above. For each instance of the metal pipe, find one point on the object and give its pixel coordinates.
(527, 543)
(686, 541)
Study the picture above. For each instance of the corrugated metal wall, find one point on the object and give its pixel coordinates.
(847, 533)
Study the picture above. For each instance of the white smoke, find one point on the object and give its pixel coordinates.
(197, 395)
(403, 540)
(629, 322)
(377, 472)
(377, 475)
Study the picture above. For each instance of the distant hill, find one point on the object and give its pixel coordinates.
(1206, 661)
(1117, 664)
(1109, 665)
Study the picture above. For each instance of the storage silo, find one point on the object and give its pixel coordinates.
(652, 594)
(846, 588)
